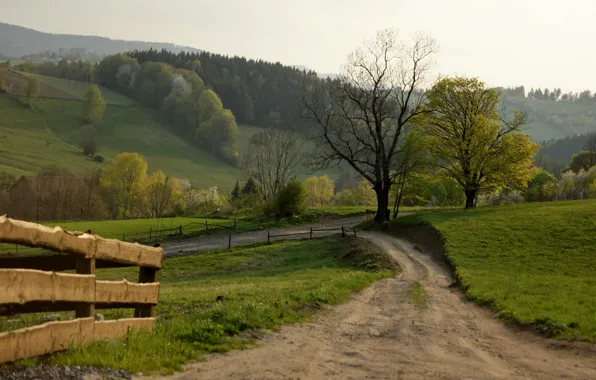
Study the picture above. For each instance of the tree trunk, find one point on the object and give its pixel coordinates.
(470, 198)
(383, 212)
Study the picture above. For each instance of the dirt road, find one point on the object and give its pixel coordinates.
(383, 334)
(213, 242)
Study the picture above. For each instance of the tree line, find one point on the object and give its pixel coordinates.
(186, 104)
(123, 189)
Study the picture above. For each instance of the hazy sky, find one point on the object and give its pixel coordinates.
(546, 43)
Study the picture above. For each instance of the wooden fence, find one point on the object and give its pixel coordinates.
(309, 232)
(31, 285)
(189, 230)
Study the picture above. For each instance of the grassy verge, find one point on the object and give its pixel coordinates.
(214, 302)
(532, 263)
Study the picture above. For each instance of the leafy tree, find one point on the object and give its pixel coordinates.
(236, 191)
(364, 194)
(209, 105)
(32, 89)
(158, 193)
(220, 133)
(471, 141)
(250, 187)
(94, 104)
(584, 160)
(123, 181)
(542, 187)
(378, 93)
(291, 200)
(319, 190)
(88, 140)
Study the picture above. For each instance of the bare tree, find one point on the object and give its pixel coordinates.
(591, 144)
(378, 92)
(272, 159)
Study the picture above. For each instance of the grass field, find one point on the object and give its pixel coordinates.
(260, 286)
(78, 89)
(534, 263)
(33, 139)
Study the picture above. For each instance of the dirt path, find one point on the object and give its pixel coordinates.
(213, 242)
(383, 334)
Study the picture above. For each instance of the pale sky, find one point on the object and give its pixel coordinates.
(537, 43)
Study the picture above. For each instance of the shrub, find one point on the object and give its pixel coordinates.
(88, 140)
(291, 200)
(99, 158)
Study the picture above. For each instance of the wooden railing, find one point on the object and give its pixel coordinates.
(31, 285)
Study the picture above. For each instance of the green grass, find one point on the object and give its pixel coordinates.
(418, 294)
(33, 139)
(534, 264)
(214, 302)
(78, 89)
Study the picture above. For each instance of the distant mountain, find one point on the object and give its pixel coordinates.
(17, 41)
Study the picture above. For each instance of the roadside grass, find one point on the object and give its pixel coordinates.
(218, 301)
(533, 263)
(418, 294)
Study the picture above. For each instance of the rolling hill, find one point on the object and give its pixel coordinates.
(17, 41)
(46, 135)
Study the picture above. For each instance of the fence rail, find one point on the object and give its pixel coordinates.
(310, 232)
(194, 229)
(31, 285)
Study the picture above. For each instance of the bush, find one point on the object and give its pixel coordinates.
(88, 140)
(99, 158)
(291, 200)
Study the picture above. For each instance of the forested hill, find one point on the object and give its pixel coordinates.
(17, 41)
(257, 92)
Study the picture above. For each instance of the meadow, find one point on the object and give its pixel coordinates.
(32, 139)
(534, 264)
(217, 301)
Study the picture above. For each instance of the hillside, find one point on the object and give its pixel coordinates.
(553, 120)
(17, 41)
(46, 135)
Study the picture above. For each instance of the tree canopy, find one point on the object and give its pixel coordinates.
(471, 141)
(94, 104)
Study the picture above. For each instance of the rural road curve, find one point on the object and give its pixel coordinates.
(382, 334)
(214, 242)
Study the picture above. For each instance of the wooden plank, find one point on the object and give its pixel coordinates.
(84, 244)
(86, 266)
(26, 285)
(146, 275)
(119, 328)
(53, 307)
(126, 292)
(129, 253)
(56, 263)
(44, 339)
(57, 336)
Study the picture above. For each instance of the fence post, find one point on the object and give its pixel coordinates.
(85, 266)
(150, 231)
(355, 232)
(268, 237)
(311, 233)
(180, 229)
(146, 275)
(229, 241)
(343, 232)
